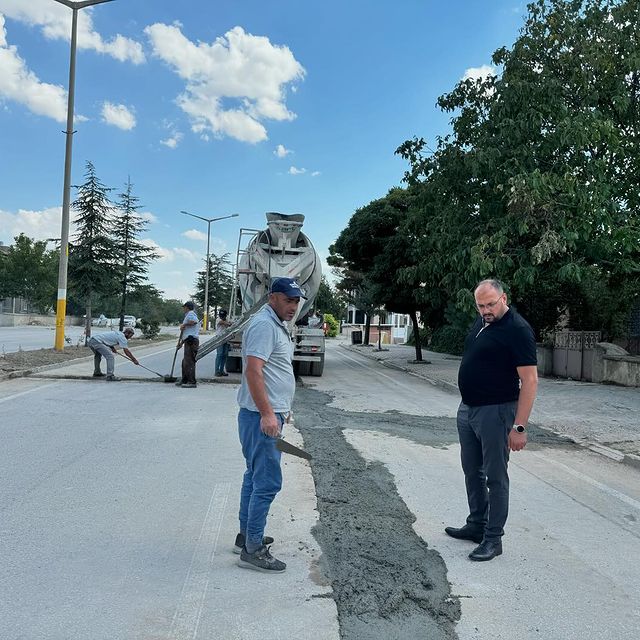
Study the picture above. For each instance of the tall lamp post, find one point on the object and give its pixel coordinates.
(205, 319)
(61, 307)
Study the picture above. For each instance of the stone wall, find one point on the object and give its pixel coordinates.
(612, 364)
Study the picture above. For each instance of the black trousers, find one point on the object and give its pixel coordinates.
(190, 346)
(484, 452)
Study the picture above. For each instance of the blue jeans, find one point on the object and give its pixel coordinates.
(263, 478)
(221, 357)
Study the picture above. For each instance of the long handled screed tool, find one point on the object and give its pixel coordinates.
(140, 365)
(170, 377)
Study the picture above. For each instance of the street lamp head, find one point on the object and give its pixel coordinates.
(81, 4)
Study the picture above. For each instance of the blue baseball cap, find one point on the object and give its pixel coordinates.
(288, 286)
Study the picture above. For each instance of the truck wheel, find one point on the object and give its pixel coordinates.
(234, 364)
(302, 368)
(317, 367)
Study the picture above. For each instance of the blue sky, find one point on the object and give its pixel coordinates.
(229, 107)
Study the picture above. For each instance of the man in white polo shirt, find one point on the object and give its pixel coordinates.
(104, 345)
(265, 398)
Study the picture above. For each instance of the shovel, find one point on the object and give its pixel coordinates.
(170, 377)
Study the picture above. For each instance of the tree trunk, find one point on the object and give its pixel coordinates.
(367, 329)
(123, 303)
(416, 332)
(87, 324)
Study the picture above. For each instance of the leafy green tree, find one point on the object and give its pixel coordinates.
(92, 271)
(330, 300)
(537, 183)
(28, 270)
(132, 257)
(220, 283)
(377, 243)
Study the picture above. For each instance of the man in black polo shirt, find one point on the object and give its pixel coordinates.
(498, 379)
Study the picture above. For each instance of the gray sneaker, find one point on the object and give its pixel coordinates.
(113, 379)
(260, 560)
(240, 540)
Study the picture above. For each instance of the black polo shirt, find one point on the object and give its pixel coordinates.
(487, 373)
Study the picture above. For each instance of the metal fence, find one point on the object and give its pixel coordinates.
(573, 353)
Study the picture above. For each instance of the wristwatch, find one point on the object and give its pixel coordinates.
(519, 428)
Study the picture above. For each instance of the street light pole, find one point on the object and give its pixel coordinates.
(205, 319)
(61, 307)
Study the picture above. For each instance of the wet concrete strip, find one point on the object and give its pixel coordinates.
(387, 582)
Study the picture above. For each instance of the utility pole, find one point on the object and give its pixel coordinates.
(205, 319)
(61, 307)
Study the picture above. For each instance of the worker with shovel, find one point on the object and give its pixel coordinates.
(265, 398)
(104, 346)
(190, 329)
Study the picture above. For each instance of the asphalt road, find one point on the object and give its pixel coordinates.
(118, 512)
(118, 507)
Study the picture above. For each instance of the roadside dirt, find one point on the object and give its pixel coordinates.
(21, 360)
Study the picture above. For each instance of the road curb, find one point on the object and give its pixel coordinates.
(629, 459)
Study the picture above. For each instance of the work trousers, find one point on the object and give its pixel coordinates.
(221, 357)
(484, 452)
(101, 351)
(190, 346)
(262, 479)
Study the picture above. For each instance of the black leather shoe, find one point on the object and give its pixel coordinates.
(465, 533)
(486, 550)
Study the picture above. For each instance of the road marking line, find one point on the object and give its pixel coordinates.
(614, 493)
(24, 393)
(186, 619)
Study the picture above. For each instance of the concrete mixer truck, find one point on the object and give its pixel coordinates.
(280, 250)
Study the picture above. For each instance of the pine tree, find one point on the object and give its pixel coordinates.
(220, 283)
(91, 258)
(132, 256)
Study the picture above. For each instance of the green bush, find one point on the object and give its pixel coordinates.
(150, 328)
(425, 336)
(448, 339)
(332, 324)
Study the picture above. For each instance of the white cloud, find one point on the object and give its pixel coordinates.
(167, 254)
(232, 84)
(175, 136)
(118, 115)
(173, 141)
(316, 173)
(294, 171)
(55, 22)
(281, 151)
(21, 85)
(194, 234)
(38, 225)
(148, 217)
(477, 73)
